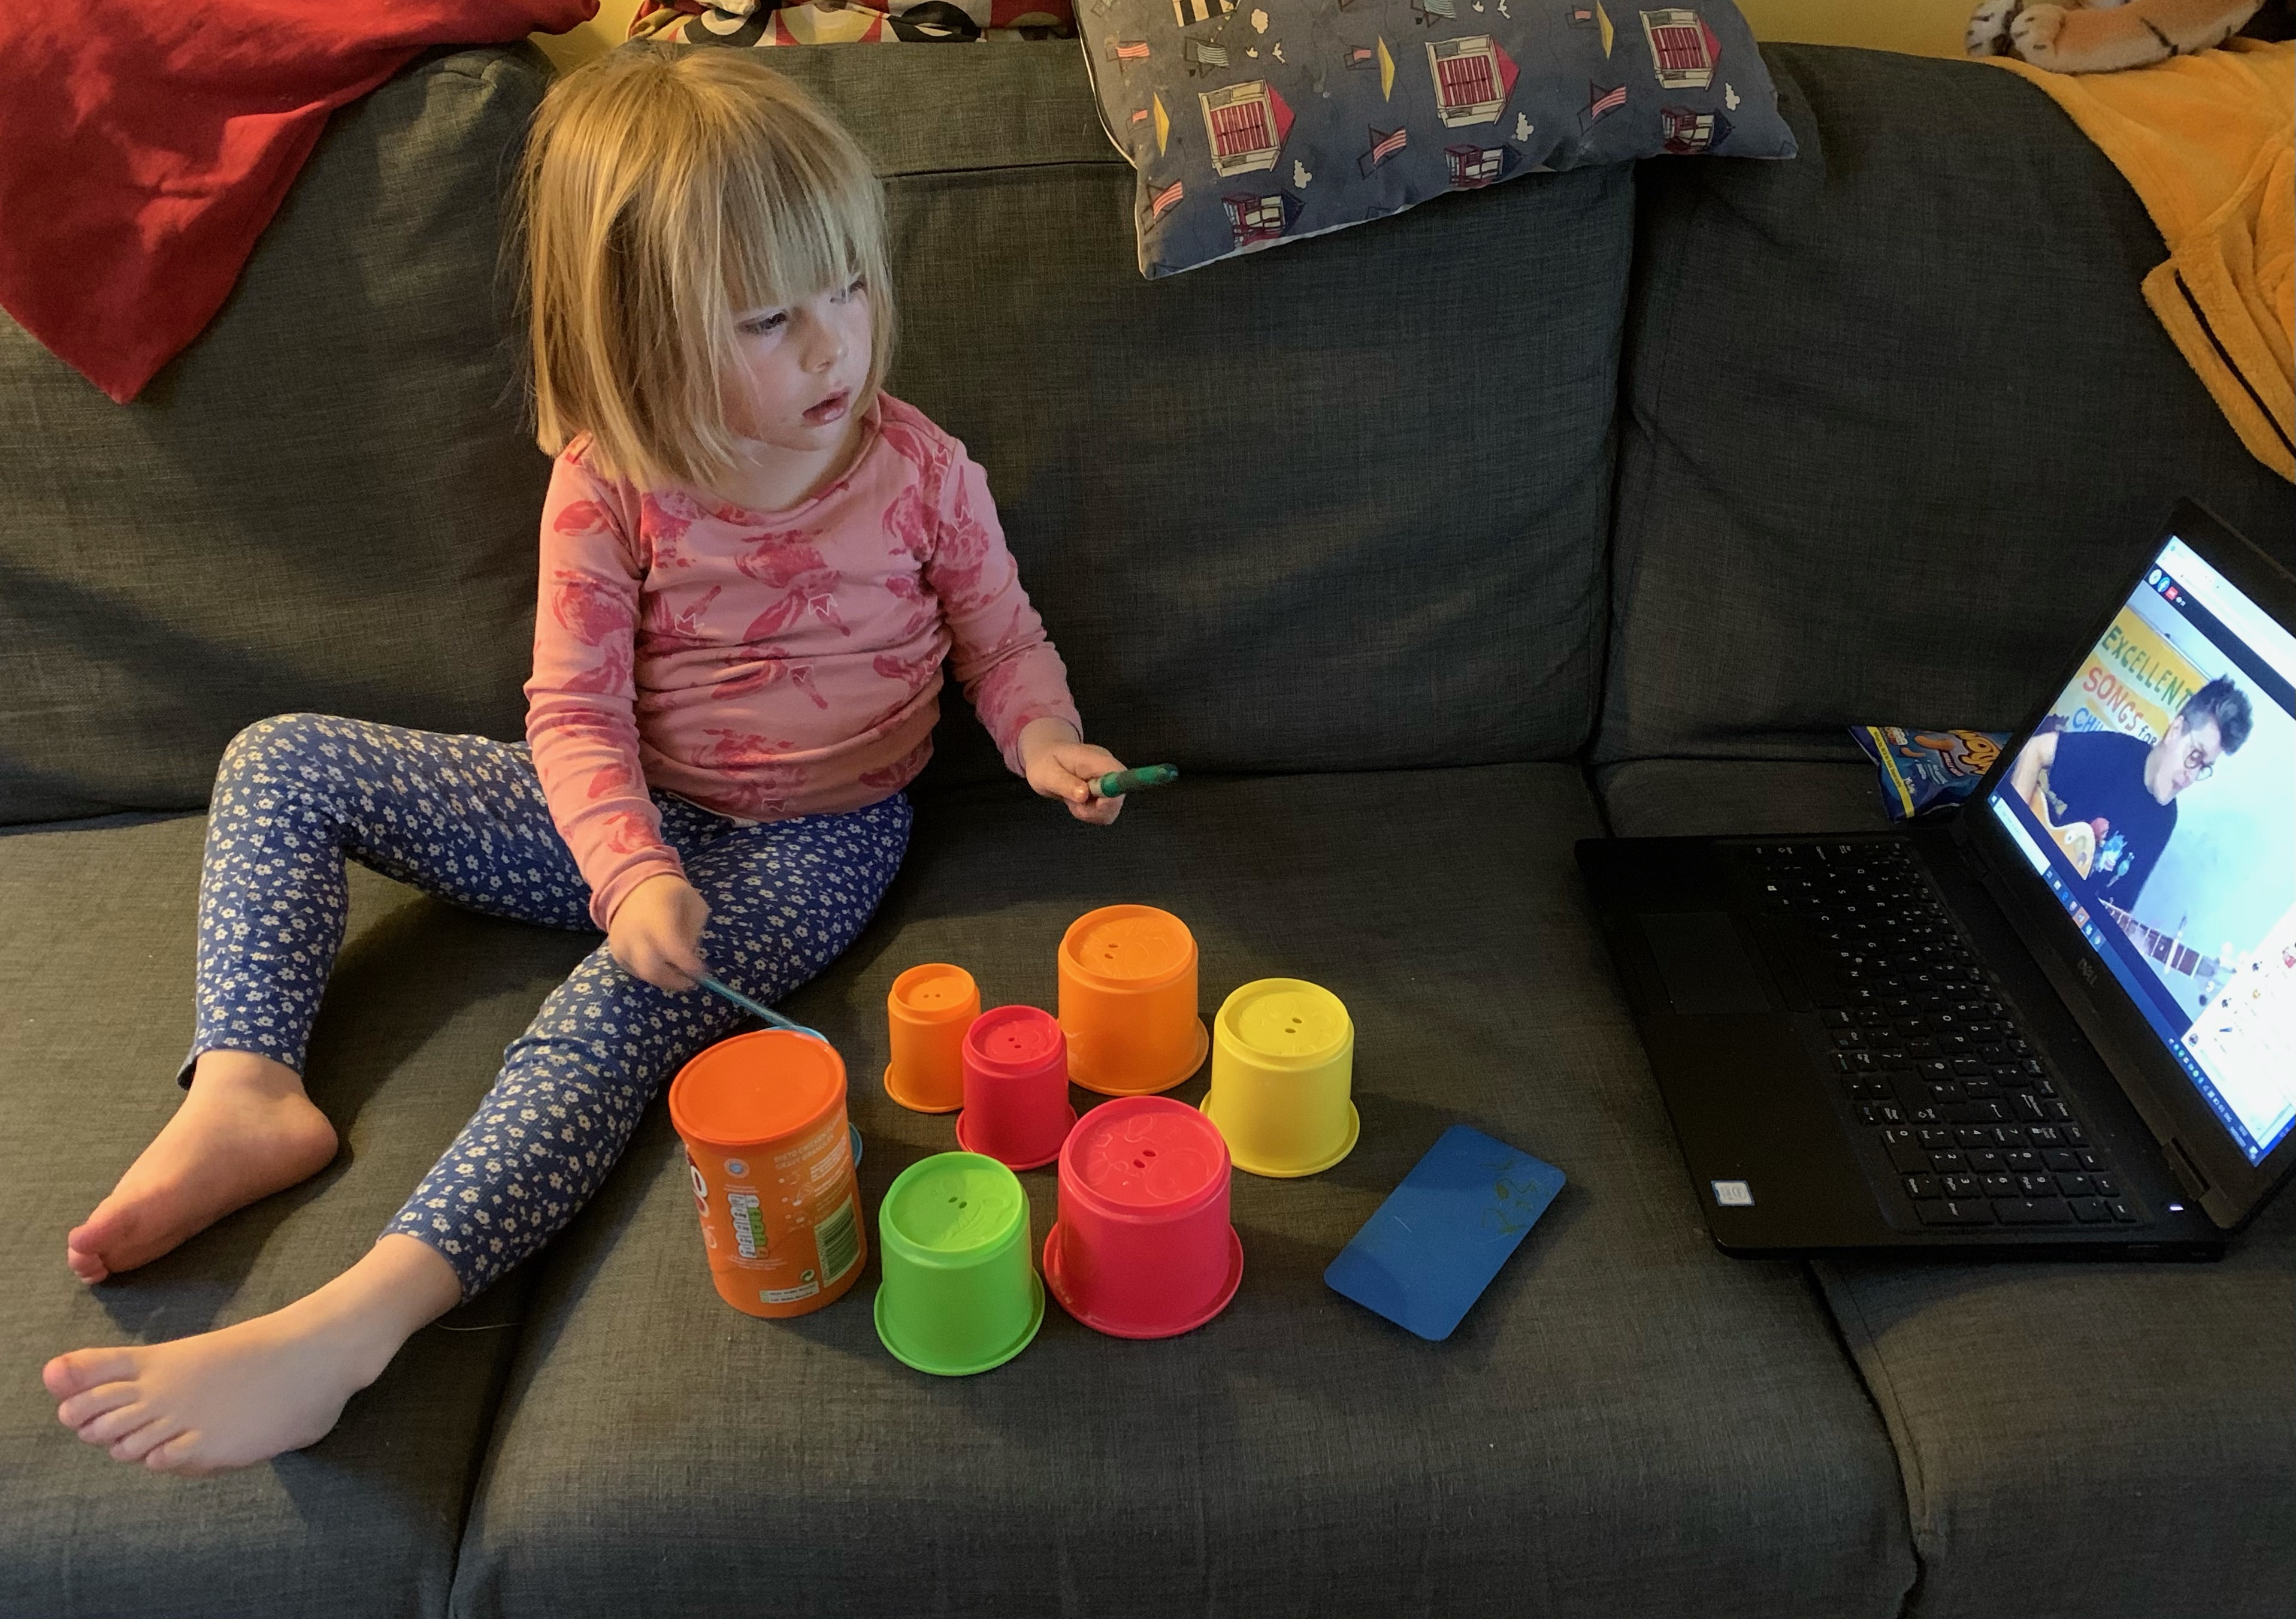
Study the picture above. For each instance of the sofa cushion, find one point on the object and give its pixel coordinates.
(1718, 798)
(1337, 507)
(327, 502)
(94, 1021)
(2088, 1442)
(2079, 1442)
(1899, 418)
(1242, 144)
(1626, 1422)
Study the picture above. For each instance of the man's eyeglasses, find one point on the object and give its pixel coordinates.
(2198, 765)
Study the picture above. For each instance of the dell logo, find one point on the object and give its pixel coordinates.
(2087, 969)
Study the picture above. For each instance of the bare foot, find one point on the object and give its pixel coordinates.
(245, 1132)
(246, 1393)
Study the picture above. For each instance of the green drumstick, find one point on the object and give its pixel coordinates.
(1116, 783)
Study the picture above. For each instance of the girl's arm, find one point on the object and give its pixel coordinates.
(1010, 672)
(581, 717)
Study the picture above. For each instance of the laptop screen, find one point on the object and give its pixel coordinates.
(2157, 799)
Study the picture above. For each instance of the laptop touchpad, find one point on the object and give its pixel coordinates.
(1708, 970)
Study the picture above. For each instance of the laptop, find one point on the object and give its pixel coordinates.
(2059, 1020)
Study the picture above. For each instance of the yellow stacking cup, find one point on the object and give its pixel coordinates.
(1283, 1058)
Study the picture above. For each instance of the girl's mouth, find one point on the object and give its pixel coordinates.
(829, 410)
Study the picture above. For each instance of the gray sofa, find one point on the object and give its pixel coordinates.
(1601, 501)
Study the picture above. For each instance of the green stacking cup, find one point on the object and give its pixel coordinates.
(960, 1294)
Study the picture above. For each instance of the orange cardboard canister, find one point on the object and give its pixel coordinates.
(1128, 1000)
(763, 1118)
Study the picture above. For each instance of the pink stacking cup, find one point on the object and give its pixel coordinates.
(1016, 1087)
(1143, 1247)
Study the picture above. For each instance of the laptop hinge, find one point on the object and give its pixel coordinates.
(2196, 1183)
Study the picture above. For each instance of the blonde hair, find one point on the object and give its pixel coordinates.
(662, 191)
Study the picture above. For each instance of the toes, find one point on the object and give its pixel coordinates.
(177, 1453)
(85, 1369)
(89, 1267)
(89, 1246)
(80, 1407)
(112, 1427)
(152, 1436)
(101, 1229)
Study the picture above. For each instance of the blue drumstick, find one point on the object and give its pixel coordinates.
(764, 1015)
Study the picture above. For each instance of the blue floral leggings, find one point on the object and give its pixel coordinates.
(463, 818)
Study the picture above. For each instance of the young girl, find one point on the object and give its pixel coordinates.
(754, 561)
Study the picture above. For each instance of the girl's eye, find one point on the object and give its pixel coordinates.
(758, 326)
(854, 289)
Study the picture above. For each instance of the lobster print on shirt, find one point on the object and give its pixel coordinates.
(769, 665)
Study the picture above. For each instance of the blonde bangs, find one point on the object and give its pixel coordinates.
(664, 190)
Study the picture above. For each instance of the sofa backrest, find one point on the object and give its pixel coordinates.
(327, 501)
(1339, 504)
(1898, 418)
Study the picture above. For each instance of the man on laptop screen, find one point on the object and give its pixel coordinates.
(2109, 798)
(2158, 800)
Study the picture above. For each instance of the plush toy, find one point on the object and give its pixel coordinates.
(2100, 36)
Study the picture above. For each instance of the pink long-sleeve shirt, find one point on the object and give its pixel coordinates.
(769, 664)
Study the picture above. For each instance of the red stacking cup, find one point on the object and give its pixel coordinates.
(1016, 1087)
(1143, 1247)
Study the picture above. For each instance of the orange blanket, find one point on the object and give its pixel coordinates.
(2209, 142)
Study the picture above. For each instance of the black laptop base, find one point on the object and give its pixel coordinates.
(1858, 1056)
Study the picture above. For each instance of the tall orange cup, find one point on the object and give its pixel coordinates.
(763, 1118)
(927, 1012)
(1128, 1000)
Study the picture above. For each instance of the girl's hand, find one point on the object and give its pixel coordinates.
(1060, 765)
(656, 933)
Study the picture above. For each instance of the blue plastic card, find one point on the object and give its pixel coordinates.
(1430, 1249)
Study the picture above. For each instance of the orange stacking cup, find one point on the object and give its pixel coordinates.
(927, 1012)
(763, 1118)
(1128, 1000)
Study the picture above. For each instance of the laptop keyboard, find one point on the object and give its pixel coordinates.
(1926, 1054)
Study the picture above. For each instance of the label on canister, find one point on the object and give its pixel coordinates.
(790, 1227)
(762, 1116)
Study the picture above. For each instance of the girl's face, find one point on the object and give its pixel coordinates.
(802, 365)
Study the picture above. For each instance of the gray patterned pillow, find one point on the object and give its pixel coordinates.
(1251, 122)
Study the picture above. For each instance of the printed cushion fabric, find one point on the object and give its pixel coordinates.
(748, 22)
(1251, 122)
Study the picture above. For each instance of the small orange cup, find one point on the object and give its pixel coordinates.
(763, 1118)
(927, 1012)
(1128, 1000)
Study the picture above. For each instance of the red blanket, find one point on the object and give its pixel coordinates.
(143, 148)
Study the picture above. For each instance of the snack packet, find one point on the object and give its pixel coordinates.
(1923, 771)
